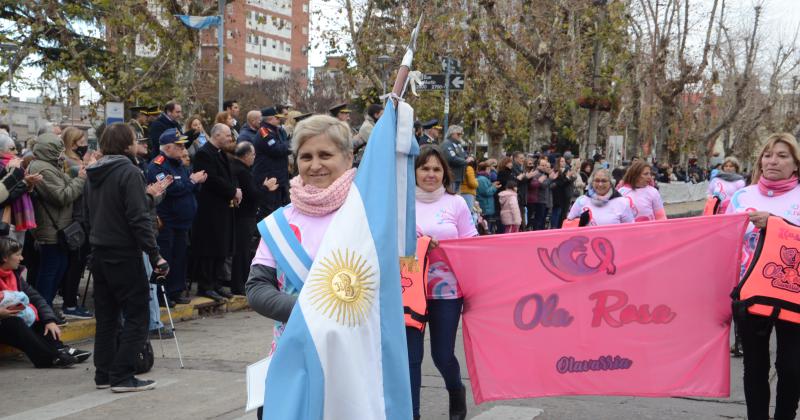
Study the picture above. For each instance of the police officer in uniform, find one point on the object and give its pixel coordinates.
(272, 161)
(176, 210)
(431, 134)
(138, 121)
(342, 113)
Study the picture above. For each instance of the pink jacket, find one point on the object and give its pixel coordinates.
(509, 208)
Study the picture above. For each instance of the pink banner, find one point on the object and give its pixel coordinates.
(640, 309)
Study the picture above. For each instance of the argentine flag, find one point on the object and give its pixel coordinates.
(199, 22)
(343, 353)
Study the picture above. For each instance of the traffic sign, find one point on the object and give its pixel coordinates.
(115, 112)
(455, 65)
(436, 82)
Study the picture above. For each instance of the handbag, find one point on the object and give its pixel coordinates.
(71, 237)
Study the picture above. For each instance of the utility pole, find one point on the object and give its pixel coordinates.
(446, 95)
(220, 44)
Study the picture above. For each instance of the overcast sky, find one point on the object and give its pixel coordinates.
(781, 19)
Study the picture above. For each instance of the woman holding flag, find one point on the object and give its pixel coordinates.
(440, 215)
(324, 151)
(774, 192)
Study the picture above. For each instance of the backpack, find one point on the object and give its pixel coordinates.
(144, 359)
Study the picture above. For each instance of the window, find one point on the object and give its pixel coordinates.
(305, 30)
(305, 8)
(230, 34)
(273, 68)
(264, 42)
(288, 48)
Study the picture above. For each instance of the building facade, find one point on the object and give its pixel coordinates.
(264, 40)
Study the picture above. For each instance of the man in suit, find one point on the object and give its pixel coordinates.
(170, 118)
(213, 231)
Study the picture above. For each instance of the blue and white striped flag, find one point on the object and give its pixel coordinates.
(199, 22)
(343, 353)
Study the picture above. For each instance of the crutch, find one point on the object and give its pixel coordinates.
(160, 280)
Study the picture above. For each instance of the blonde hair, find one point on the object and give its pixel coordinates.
(189, 122)
(772, 140)
(733, 161)
(70, 137)
(337, 131)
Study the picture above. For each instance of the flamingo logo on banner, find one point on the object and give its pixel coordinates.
(568, 260)
(637, 309)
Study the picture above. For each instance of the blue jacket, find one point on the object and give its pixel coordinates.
(272, 151)
(485, 197)
(247, 134)
(179, 206)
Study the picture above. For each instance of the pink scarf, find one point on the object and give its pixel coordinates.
(775, 188)
(314, 201)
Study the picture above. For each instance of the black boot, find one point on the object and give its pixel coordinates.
(416, 417)
(458, 404)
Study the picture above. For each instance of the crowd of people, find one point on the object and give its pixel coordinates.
(163, 200)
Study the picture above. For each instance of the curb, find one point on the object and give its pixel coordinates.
(84, 329)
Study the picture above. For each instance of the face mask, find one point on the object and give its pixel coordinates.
(81, 151)
(605, 165)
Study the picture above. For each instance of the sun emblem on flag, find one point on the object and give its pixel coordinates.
(341, 288)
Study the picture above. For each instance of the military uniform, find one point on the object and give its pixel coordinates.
(425, 139)
(176, 212)
(272, 152)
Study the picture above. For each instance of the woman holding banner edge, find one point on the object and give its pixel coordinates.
(441, 214)
(602, 204)
(774, 191)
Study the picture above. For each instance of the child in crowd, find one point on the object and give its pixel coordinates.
(510, 215)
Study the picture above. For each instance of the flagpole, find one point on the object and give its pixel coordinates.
(405, 65)
(220, 45)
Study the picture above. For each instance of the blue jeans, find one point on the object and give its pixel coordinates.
(52, 266)
(155, 311)
(443, 318)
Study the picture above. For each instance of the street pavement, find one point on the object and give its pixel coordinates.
(216, 351)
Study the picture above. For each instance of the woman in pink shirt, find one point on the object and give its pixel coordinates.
(441, 214)
(324, 151)
(774, 192)
(602, 204)
(647, 204)
(725, 183)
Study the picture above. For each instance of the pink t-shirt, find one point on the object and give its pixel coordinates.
(616, 211)
(646, 202)
(724, 189)
(446, 218)
(750, 199)
(308, 229)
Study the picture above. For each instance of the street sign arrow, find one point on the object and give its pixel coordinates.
(457, 81)
(437, 82)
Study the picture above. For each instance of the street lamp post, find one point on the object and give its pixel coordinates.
(384, 60)
(8, 47)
